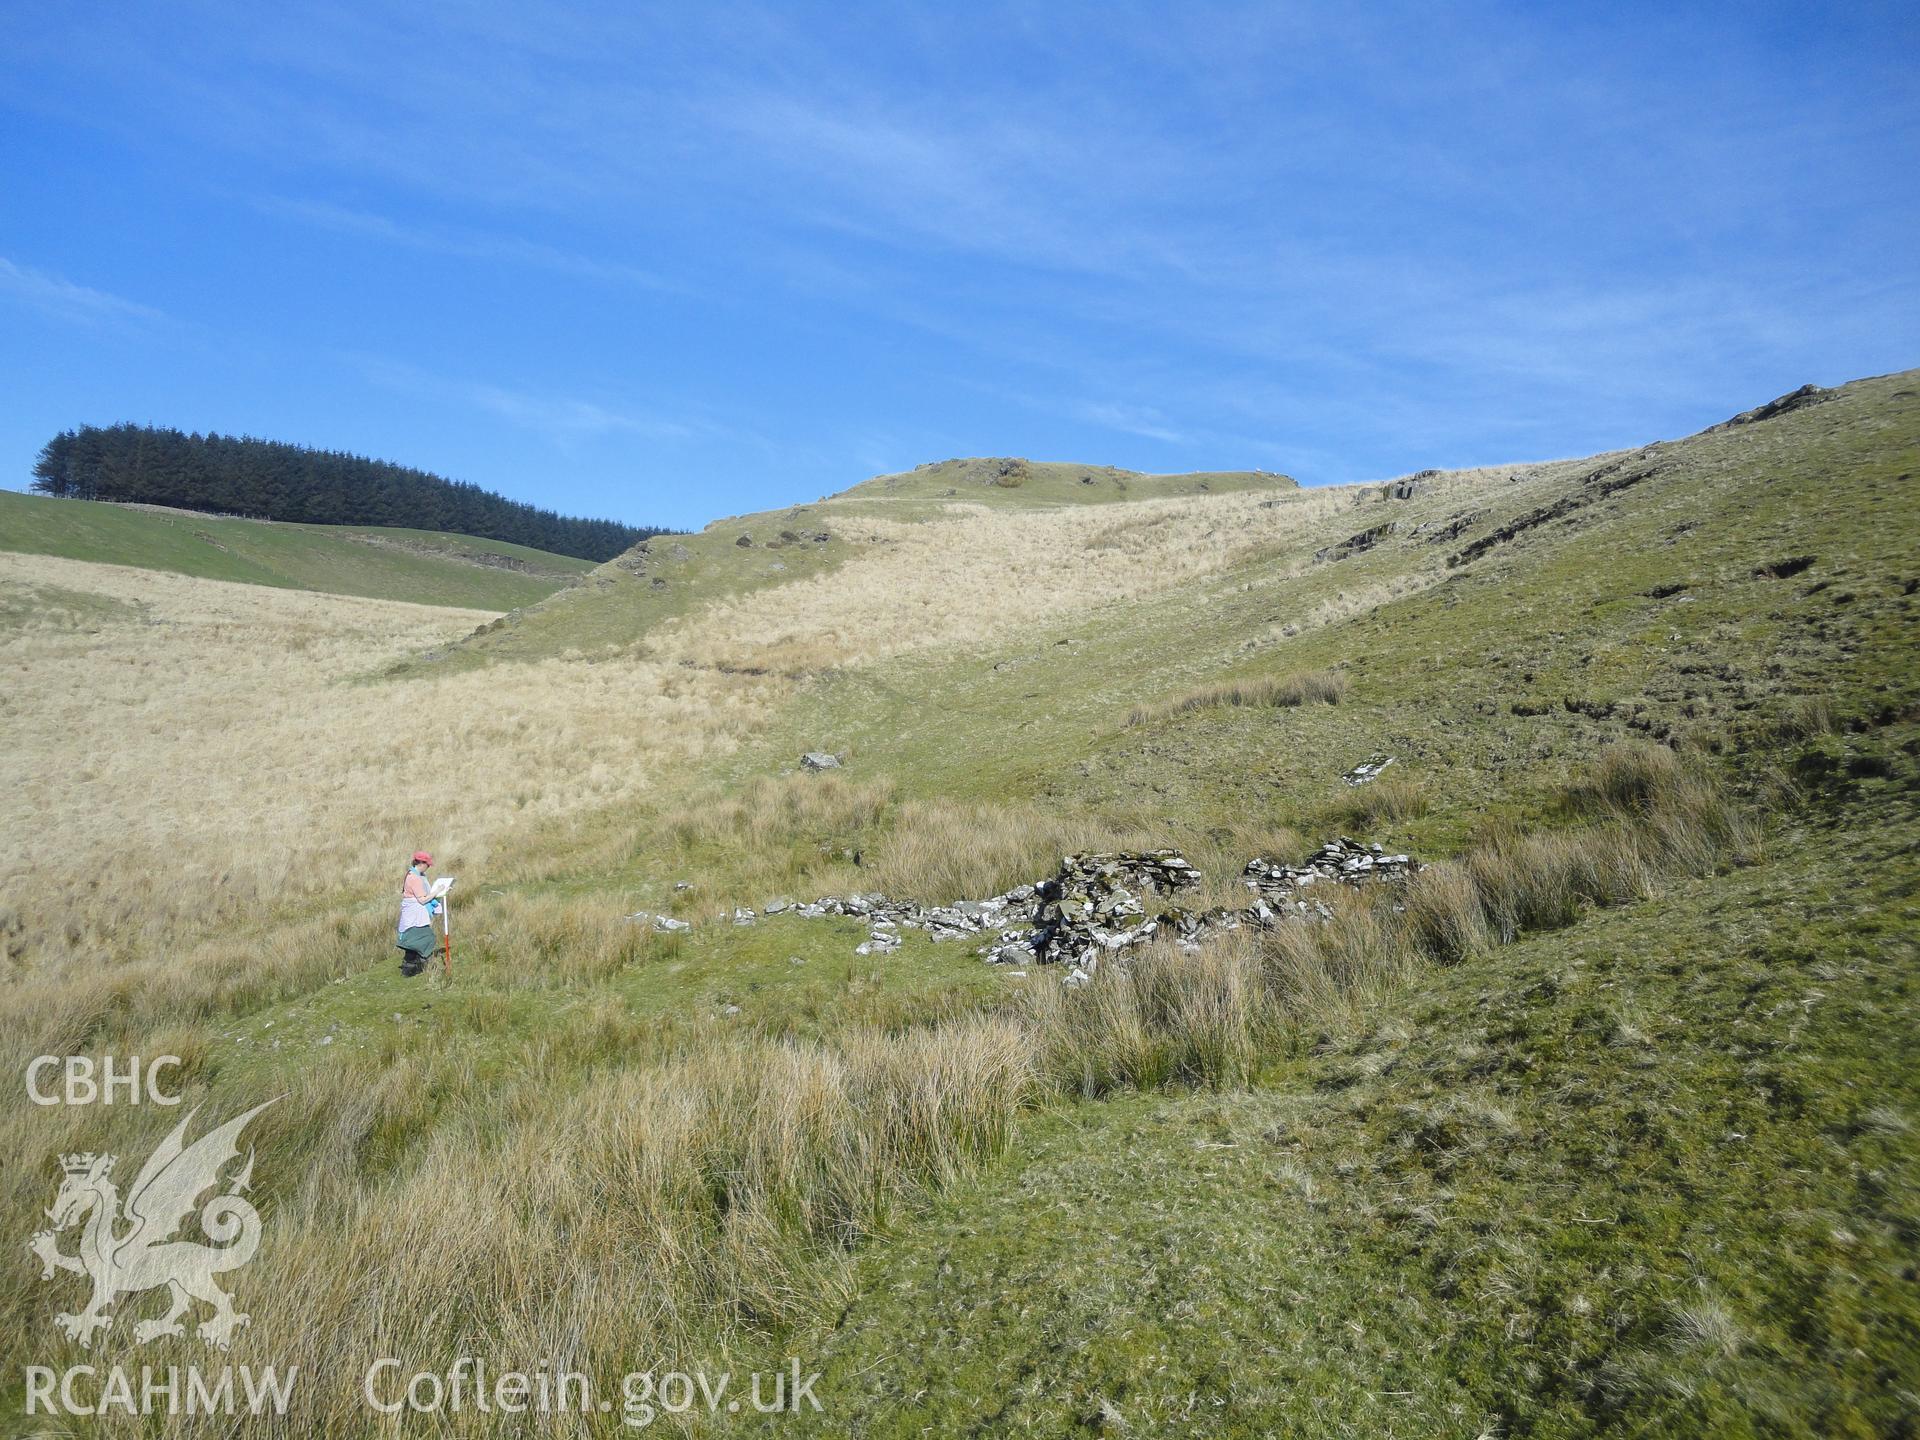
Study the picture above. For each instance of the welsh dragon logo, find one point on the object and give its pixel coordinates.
(127, 1254)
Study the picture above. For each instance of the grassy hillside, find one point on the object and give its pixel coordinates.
(1654, 1173)
(618, 604)
(390, 564)
(1029, 483)
(625, 602)
(1625, 1145)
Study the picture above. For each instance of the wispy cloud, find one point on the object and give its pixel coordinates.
(63, 299)
(562, 419)
(1141, 420)
(469, 244)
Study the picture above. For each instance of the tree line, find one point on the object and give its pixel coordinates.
(270, 480)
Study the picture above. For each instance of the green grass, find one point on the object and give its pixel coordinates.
(389, 564)
(58, 607)
(785, 979)
(1655, 1174)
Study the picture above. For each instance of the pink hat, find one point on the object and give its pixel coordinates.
(420, 857)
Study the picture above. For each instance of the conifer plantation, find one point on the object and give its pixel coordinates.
(271, 480)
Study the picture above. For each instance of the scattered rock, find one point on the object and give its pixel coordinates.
(665, 924)
(1368, 771)
(1100, 905)
(1091, 907)
(744, 540)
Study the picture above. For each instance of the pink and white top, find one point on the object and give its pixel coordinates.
(413, 902)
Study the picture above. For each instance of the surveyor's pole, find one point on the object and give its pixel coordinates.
(446, 927)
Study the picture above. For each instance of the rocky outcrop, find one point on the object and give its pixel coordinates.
(1407, 487)
(1436, 532)
(1608, 479)
(1356, 544)
(1797, 400)
(819, 760)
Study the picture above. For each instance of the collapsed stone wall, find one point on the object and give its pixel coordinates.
(1100, 905)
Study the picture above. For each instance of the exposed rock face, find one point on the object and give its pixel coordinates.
(1408, 486)
(1355, 544)
(1798, 400)
(1596, 485)
(1434, 532)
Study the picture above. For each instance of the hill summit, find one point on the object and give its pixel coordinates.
(1050, 482)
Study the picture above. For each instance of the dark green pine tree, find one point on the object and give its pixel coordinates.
(239, 475)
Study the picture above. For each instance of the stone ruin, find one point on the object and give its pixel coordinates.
(1093, 907)
(1097, 905)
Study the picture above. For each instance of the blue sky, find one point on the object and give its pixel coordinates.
(667, 263)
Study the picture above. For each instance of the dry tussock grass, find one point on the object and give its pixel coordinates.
(203, 756)
(981, 575)
(1645, 816)
(602, 1222)
(608, 1202)
(939, 851)
(1392, 799)
(1327, 687)
(772, 810)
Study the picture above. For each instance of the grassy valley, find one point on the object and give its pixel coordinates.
(1604, 1125)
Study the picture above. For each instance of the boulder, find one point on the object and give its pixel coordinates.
(819, 760)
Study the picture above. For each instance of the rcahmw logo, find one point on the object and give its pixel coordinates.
(129, 1249)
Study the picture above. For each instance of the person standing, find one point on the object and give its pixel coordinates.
(415, 931)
